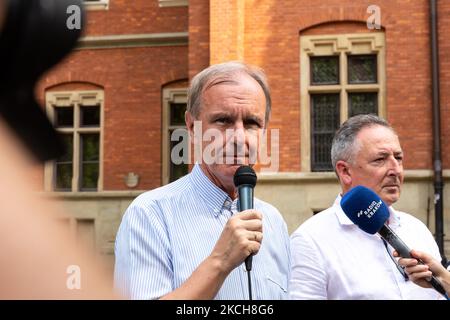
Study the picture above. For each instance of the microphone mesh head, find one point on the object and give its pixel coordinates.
(245, 175)
(365, 209)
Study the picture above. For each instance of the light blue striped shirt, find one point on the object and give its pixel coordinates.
(167, 232)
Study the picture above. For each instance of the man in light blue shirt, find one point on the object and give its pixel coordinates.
(186, 240)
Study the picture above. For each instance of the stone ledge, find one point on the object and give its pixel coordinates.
(93, 195)
(410, 175)
(134, 40)
(96, 5)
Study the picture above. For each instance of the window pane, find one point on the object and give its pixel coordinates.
(322, 149)
(90, 116)
(64, 116)
(177, 171)
(362, 69)
(362, 103)
(325, 122)
(89, 176)
(325, 70)
(63, 173)
(63, 165)
(177, 111)
(90, 147)
(89, 161)
(67, 156)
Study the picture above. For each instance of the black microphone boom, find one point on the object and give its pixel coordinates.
(245, 181)
(391, 237)
(365, 209)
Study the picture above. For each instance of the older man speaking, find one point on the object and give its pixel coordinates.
(186, 240)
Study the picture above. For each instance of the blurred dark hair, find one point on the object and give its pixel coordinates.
(34, 38)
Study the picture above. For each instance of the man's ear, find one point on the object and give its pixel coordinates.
(343, 172)
(189, 120)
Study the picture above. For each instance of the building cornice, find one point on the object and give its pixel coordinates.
(173, 3)
(265, 177)
(134, 40)
(93, 195)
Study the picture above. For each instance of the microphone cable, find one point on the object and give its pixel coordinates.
(249, 281)
(250, 286)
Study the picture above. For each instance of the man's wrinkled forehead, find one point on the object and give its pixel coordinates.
(372, 136)
(228, 79)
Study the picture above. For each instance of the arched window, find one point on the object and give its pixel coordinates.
(342, 75)
(78, 117)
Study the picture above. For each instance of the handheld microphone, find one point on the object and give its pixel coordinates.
(245, 181)
(365, 209)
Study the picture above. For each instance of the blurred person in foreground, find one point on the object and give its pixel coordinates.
(38, 260)
(332, 258)
(187, 240)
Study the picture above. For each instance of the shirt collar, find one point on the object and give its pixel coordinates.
(215, 198)
(342, 217)
(394, 218)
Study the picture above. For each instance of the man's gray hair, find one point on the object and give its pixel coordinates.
(225, 71)
(344, 146)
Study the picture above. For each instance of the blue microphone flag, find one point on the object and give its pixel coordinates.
(365, 209)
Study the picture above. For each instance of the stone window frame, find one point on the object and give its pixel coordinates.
(96, 5)
(75, 98)
(170, 95)
(342, 45)
(173, 3)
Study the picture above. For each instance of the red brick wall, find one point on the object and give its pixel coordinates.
(136, 16)
(198, 36)
(132, 81)
(133, 78)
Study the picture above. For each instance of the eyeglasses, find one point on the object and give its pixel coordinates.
(399, 267)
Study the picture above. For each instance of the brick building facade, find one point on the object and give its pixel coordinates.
(136, 58)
